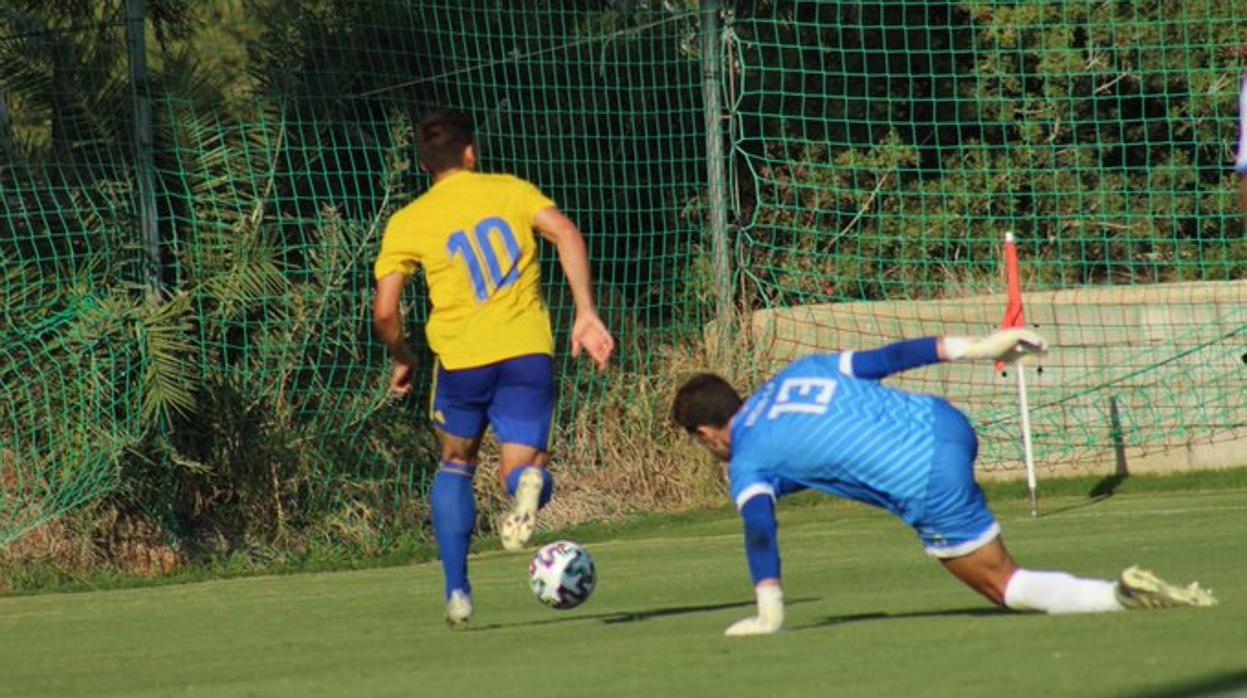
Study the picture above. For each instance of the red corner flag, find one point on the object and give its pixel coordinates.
(1013, 311)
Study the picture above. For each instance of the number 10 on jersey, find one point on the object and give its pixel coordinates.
(501, 273)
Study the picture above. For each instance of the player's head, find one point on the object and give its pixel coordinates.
(444, 142)
(704, 407)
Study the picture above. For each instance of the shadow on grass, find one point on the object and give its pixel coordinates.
(1107, 487)
(631, 616)
(1101, 491)
(866, 617)
(1072, 507)
(1229, 685)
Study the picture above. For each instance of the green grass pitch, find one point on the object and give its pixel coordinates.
(869, 615)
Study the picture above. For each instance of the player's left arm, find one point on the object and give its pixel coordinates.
(762, 551)
(588, 331)
(387, 322)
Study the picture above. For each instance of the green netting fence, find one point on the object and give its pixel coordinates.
(193, 193)
(884, 149)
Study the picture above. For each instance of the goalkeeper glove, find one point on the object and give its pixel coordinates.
(770, 616)
(1006, 345)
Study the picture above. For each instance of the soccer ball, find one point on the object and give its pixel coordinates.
(562, 575)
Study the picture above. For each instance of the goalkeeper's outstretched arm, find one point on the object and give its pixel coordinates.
(1005, 345)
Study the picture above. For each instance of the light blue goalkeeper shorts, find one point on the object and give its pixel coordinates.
(956, 521)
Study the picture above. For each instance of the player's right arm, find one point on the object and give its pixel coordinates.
(588, 331)
(880, 363)
(1006, 345)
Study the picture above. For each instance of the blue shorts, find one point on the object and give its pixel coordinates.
(956, 521)
(515, 396)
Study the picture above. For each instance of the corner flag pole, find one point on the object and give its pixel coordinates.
(1027, 451)
(1014, 318)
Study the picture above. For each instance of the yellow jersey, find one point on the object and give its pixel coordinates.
(473, 235)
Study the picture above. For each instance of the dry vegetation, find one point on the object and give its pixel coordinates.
(94, 539)
(616, 456)
(620, 455)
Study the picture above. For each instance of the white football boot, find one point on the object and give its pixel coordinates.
(458, 609)
(1140, 589)
(517, 526)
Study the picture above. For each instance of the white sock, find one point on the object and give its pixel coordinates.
(1058, 592)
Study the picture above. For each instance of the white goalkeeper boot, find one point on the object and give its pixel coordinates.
(517, 526)
(1140, 589)
(458, 609)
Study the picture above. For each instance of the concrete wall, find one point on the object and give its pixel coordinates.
(1150, 378)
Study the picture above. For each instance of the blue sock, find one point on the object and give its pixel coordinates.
(454, 516)
(547, 483)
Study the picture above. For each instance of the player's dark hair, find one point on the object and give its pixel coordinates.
(441, 138)
(704, 400)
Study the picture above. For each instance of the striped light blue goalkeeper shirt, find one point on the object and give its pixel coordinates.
(815, 426)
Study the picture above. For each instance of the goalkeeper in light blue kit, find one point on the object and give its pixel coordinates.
(826, 423)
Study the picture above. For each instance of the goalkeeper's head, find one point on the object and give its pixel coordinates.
(704, 407)
(444, 142)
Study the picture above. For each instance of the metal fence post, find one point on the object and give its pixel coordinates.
(144, 141)
(712, 80)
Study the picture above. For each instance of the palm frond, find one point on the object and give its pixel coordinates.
(170, 371)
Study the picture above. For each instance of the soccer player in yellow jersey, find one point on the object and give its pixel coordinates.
(473, 236)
